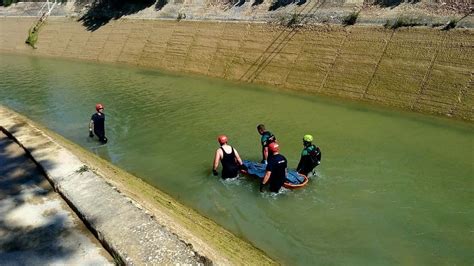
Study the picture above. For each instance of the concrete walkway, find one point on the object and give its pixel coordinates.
(36, 226)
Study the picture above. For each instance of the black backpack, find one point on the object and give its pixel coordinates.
(315, 156)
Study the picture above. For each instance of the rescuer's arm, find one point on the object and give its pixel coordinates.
(217, 158)
(91, 126)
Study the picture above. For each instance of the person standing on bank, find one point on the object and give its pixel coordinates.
(97, 124)
(229, 157)
(276, 170)
(310, 156)
(266, 139)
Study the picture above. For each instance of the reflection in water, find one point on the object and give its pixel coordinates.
(101, 151)
(393, 188)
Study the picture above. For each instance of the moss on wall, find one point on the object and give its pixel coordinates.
(420, 69)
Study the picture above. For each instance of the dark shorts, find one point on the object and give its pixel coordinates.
(275, 186)
(230, 172)
(101, 136)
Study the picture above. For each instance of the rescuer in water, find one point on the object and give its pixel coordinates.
(310, 156)
(229, 157)
(266, 139)
(97, 124)
(276, 170)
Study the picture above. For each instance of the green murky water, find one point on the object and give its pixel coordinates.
(393, 188)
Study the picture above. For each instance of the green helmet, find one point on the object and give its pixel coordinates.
(308, 138)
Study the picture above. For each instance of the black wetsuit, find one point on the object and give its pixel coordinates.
(230, 168)
(277, 165)
(266, 139)
(310, 158)
(99, 126)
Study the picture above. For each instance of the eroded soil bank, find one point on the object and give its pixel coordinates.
(420, 69)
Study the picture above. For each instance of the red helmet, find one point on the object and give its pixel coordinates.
(99, 106)
(274, 147)
(222, 139)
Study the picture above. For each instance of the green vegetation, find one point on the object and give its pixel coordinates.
(293, 21)
(34, 32)
(8, 2)
(402, 22)
(289, 20)
(451, 24)
(350, 19)
(33, 36)
(83, 169)
(437, 24)
(181, 16)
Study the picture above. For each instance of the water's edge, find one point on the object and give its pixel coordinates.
(209, 242)
(417, 69)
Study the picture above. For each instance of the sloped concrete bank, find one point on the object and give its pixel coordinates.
(419, 69)
(36, 225)
(135, 222)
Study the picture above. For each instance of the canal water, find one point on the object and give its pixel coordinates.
(393, 187)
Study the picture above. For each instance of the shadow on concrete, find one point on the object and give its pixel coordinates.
(14, 129)
(280, 41)
(282, 3)
(102, 11)
(239, 3)
(392, 3)
(23, 183)
(30, 246)
(160, 4)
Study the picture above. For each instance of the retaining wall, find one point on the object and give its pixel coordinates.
(419, 69)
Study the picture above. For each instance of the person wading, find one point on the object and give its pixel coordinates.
(97, 124)
(229, 157)
(310, 156)
(266, 138)
(276, 170)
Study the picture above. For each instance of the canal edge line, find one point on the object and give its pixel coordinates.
(138, 240)
(74, 180)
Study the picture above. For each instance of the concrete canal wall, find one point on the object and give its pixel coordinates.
(420, 69)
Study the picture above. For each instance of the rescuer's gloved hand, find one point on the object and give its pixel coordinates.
(264, 161)
(214, 172)
(91, 135)
(243, 167)
(261, 186)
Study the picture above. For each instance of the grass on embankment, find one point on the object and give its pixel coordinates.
(32, 37)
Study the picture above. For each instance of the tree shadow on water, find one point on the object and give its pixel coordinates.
(102, 11)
